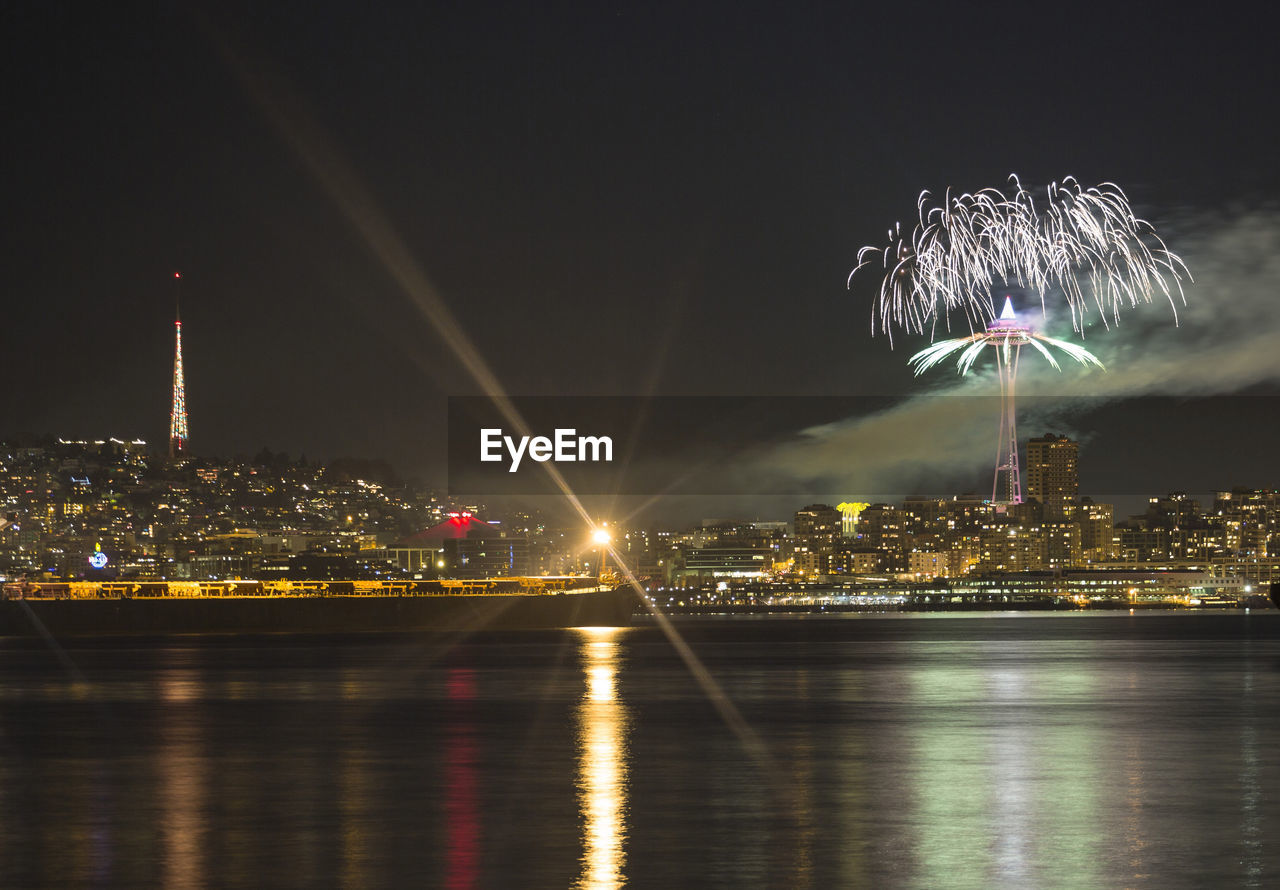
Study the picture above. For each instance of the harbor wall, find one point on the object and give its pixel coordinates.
(319, 614)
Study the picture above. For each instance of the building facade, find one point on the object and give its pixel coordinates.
(1053, 476)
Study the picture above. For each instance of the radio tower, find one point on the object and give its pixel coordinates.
(178, 416)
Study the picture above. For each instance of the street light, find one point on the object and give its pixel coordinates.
(601, 537)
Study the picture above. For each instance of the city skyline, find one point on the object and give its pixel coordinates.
(108, 510)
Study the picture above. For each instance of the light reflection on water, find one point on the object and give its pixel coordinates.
(591, 759)
(183, 779)
(462, 816)
(353, 793)
(602, 770)
(1011, 788)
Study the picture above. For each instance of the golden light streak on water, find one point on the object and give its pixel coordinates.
(355, 792)
(602, 763)
(183, 772)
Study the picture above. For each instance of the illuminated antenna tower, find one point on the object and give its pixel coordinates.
(178, 416)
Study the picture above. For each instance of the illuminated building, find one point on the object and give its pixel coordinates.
(885, 528)
(1173, 527)
(715, 563)
(641, 551)
(847, 561)
(719, 533)
(849, 511)
(1053, 476)
(1251, 520)
(923, 565)
(1062, 547)
(1138, 544)
(1010, 547)
(820, 525)
(484, 557)
(1174, 510)
(1200, 543)
(1097, 530)
(817, 529)
(463, 546)
(808, 564)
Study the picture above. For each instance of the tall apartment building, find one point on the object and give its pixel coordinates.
(1053, 476)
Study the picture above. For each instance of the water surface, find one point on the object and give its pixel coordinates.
(916, 752)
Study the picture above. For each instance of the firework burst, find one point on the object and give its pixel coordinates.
(1086, 243)
(1006, 335)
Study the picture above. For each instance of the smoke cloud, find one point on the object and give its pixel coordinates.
(1226, 338)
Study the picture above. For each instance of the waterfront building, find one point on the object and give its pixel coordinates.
(860, 561)
(923, 565)
(723, 563)
(1135, 543)
(1011, 547)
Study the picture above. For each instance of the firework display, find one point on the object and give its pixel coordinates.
(1085, 243)
(1006, 335)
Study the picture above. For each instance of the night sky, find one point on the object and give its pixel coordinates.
(621, 199)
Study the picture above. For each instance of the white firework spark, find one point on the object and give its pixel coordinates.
(1006, 342)
(1085, 242)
